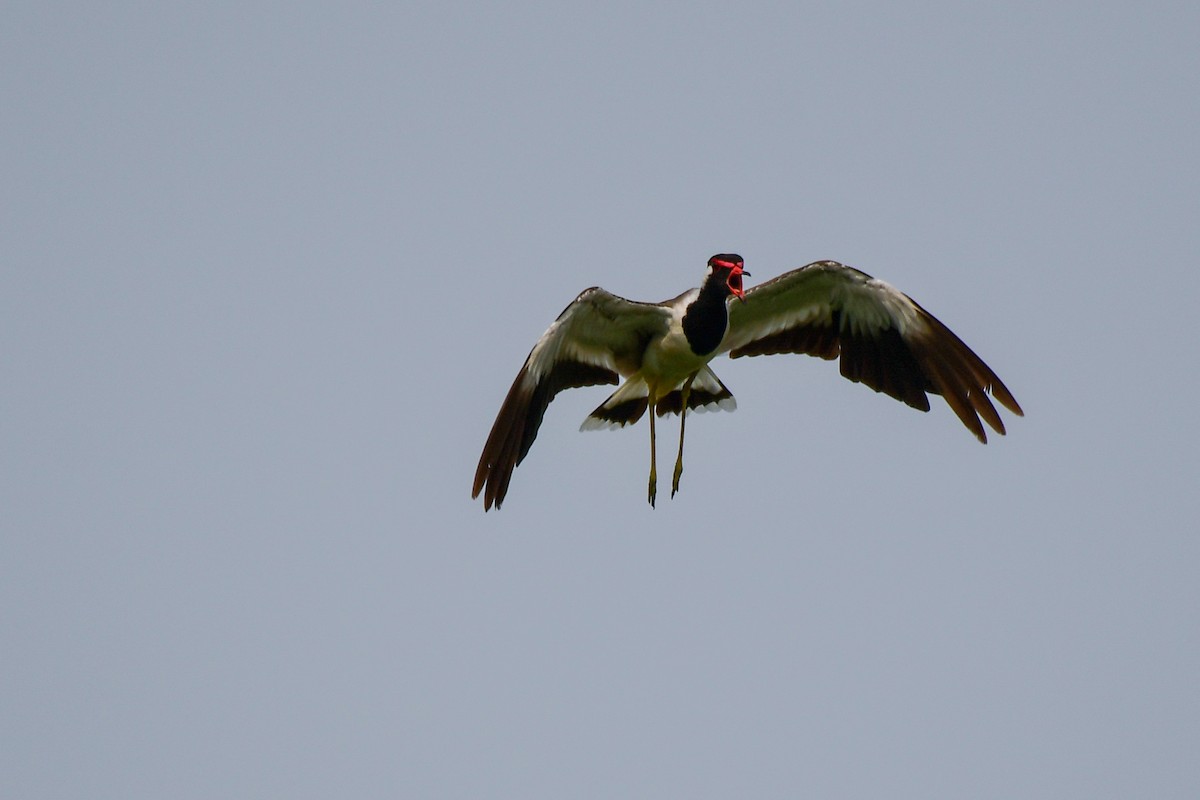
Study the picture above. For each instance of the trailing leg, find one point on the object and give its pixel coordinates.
(653, 489)
(687, 388)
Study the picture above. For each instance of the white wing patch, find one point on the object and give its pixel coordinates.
(724, 404)
(598, 424)
(875, 305)
(804, 315)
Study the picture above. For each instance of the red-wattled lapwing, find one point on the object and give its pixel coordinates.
(826, 309)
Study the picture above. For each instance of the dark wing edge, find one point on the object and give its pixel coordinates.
(908, 355)
(960, 376)
(520, 416)
(593, 339)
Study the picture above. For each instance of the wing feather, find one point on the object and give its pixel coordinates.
(883, 338)
(596, 338)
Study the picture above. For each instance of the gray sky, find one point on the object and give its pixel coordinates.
(268, 270)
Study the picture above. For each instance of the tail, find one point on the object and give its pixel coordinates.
(623, 407)
(628, 403)
(707, 394)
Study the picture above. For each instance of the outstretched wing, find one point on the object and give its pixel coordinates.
(595, 339)
(884, 339)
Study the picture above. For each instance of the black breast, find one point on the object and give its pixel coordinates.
(705, 322)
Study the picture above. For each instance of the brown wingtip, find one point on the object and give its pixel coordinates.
(500, 453)
(963, 379)
(1001, 393)
(517, 424)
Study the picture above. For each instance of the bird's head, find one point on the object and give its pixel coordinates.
(728, 269)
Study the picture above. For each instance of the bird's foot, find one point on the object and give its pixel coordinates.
(675, 479)
(653, 488)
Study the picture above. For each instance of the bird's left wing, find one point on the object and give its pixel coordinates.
(596, 338)
(883, 338)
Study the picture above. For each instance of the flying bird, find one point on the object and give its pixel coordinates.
(881, 336)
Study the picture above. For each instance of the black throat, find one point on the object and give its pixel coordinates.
(707, 318)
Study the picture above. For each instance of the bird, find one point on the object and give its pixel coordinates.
(881, 337)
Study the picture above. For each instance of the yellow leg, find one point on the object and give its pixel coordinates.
(687, 388)
(653, 471)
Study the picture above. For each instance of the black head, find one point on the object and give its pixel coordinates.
(730, 267)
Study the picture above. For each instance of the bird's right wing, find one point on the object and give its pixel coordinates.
(597, 337)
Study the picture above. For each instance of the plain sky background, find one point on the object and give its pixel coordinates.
(268, 269)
